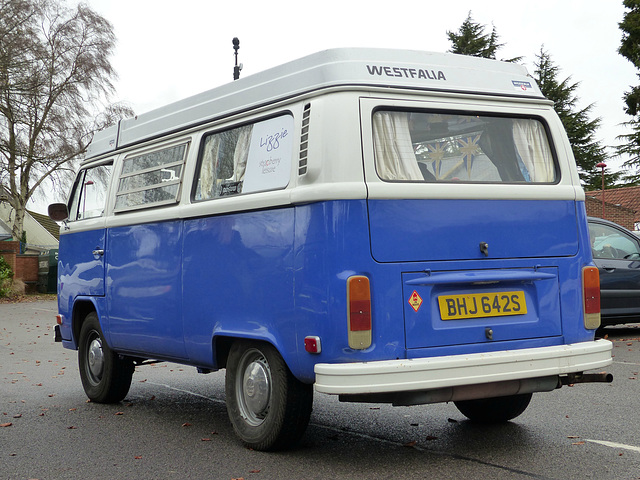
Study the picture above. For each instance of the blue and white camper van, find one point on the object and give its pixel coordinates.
(386, 226)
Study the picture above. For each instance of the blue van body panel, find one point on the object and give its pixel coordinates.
(332, 244)
(144, 288)
(80, 271)
(238, 281)
(80, 274)
(432, 230)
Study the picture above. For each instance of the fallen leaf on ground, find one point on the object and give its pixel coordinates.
(8, 424)
(410, 444)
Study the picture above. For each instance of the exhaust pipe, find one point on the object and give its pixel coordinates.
(574, 378)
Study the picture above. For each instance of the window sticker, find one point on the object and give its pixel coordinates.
(269, 160)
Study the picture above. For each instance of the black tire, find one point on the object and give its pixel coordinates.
(268, 407)
(105, 376)
(494, 410)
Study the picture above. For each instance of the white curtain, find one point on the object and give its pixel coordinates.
(208, 167)
(395, 158)
(531, 142)
(241, 153)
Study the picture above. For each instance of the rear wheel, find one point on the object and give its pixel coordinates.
(268, 407)
(494, 410)
(105, 376)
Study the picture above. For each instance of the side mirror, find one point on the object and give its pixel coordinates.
(58, 212)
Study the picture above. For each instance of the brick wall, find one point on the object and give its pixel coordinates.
(614, 213)
(25, 267)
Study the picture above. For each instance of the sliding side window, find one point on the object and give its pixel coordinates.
(151, 179)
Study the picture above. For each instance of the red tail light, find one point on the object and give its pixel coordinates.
(359, 312)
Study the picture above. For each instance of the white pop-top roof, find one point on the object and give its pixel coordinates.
(330, 68)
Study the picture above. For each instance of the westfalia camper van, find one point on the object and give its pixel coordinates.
(387, 226)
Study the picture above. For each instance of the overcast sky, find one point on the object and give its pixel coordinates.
(168, 53)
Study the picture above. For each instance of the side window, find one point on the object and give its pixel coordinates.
(609, 242)
(89, 193)
(251, 158)
(151, 179)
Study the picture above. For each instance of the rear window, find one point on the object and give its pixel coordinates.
(459, 147)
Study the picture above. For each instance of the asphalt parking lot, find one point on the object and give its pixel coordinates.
(173, 424)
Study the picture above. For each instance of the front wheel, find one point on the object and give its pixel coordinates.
(494, 410)
(105, 376)
(268, 407)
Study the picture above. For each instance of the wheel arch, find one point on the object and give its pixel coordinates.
(222, 342)
(81, 308)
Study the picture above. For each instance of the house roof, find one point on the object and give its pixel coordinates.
(628, 197)
(52, 227)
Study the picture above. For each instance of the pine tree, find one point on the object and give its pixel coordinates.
(581, 130)
(471, 40)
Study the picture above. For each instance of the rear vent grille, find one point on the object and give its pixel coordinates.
(304, 140)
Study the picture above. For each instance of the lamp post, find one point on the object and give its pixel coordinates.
(602, 166)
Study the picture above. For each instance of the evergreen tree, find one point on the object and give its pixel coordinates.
(581, 130)
(630, 49)
(471, 39)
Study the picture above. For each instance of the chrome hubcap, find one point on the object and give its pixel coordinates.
(95, 359)
(254, 387)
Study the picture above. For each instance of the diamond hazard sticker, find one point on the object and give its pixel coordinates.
(415, 301)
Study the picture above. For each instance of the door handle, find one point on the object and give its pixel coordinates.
(98, 252)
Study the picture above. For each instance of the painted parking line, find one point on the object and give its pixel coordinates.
(614, 445)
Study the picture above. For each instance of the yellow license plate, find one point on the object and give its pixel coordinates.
(480, 305)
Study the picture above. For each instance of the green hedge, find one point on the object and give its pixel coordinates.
(6, 277)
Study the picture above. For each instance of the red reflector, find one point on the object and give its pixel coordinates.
(360, 315)
(312, 344)
(591, 292)
(59, 319)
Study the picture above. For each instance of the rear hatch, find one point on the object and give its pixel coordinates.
(475, 270)
(480, 230)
